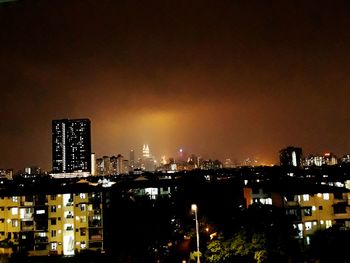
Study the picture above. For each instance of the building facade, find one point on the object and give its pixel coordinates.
(71, 146)
(291, 156)
(52, 224)
(308, 211)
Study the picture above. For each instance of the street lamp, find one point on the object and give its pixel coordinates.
(194, 209)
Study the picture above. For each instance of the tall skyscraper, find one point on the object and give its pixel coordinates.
(71, 146)
(291, 156)
(132, 164)
(145, 151)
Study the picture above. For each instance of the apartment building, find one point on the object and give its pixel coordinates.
(56, 224)
(310, 208)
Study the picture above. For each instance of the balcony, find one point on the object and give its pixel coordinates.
(69, 228)
(27, 228)
(69, 216)
(24, 203)
(41, 240)
(95, 223)
(96, 237)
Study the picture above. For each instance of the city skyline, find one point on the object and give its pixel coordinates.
(220, 79)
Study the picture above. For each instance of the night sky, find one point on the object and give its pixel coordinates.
(221, 79)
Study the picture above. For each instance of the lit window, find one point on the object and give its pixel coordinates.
(308, 225)
(15, 199)
(42, 234)
(82, 207)
(307, 211)
(54, 246)
(300, 230)
(328, 223)
(14, 223)
(82, 231)
(83, 245)
(306, 197)
(82, 196)
(313, 208)
(321, 222)
(14, 210)
(40, 212)
(326, 196)
(307, 240)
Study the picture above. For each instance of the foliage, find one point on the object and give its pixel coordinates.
(240, 245)
(218, 251)
(267, 239)
(194, 256)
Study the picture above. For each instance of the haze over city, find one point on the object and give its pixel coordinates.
(223, 79)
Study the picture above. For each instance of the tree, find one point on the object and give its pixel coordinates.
(263, 235)
(241, 245)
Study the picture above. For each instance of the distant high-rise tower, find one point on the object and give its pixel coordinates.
(132, 160)
(291, 156)
(145, 151)
(71, 146)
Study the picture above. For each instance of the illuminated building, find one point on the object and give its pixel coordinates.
(132, 160)
(211, 165)
(314, 160)
(194, 160)
(330, 159)
(6, 173)
(113, 165)
(125, 167)
(93, 164)
(149, 165)
(309, 207)
(147, 161)
(57, 224)
(71, 146)
(163, 160)
(99, 167)
(181, 156)
(345, 159)
(291, 156)
(120, 164)
(319, 160)
(228, 163)
(32, 170)
(145, 151)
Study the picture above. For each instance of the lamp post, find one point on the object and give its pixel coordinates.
(194, 209)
